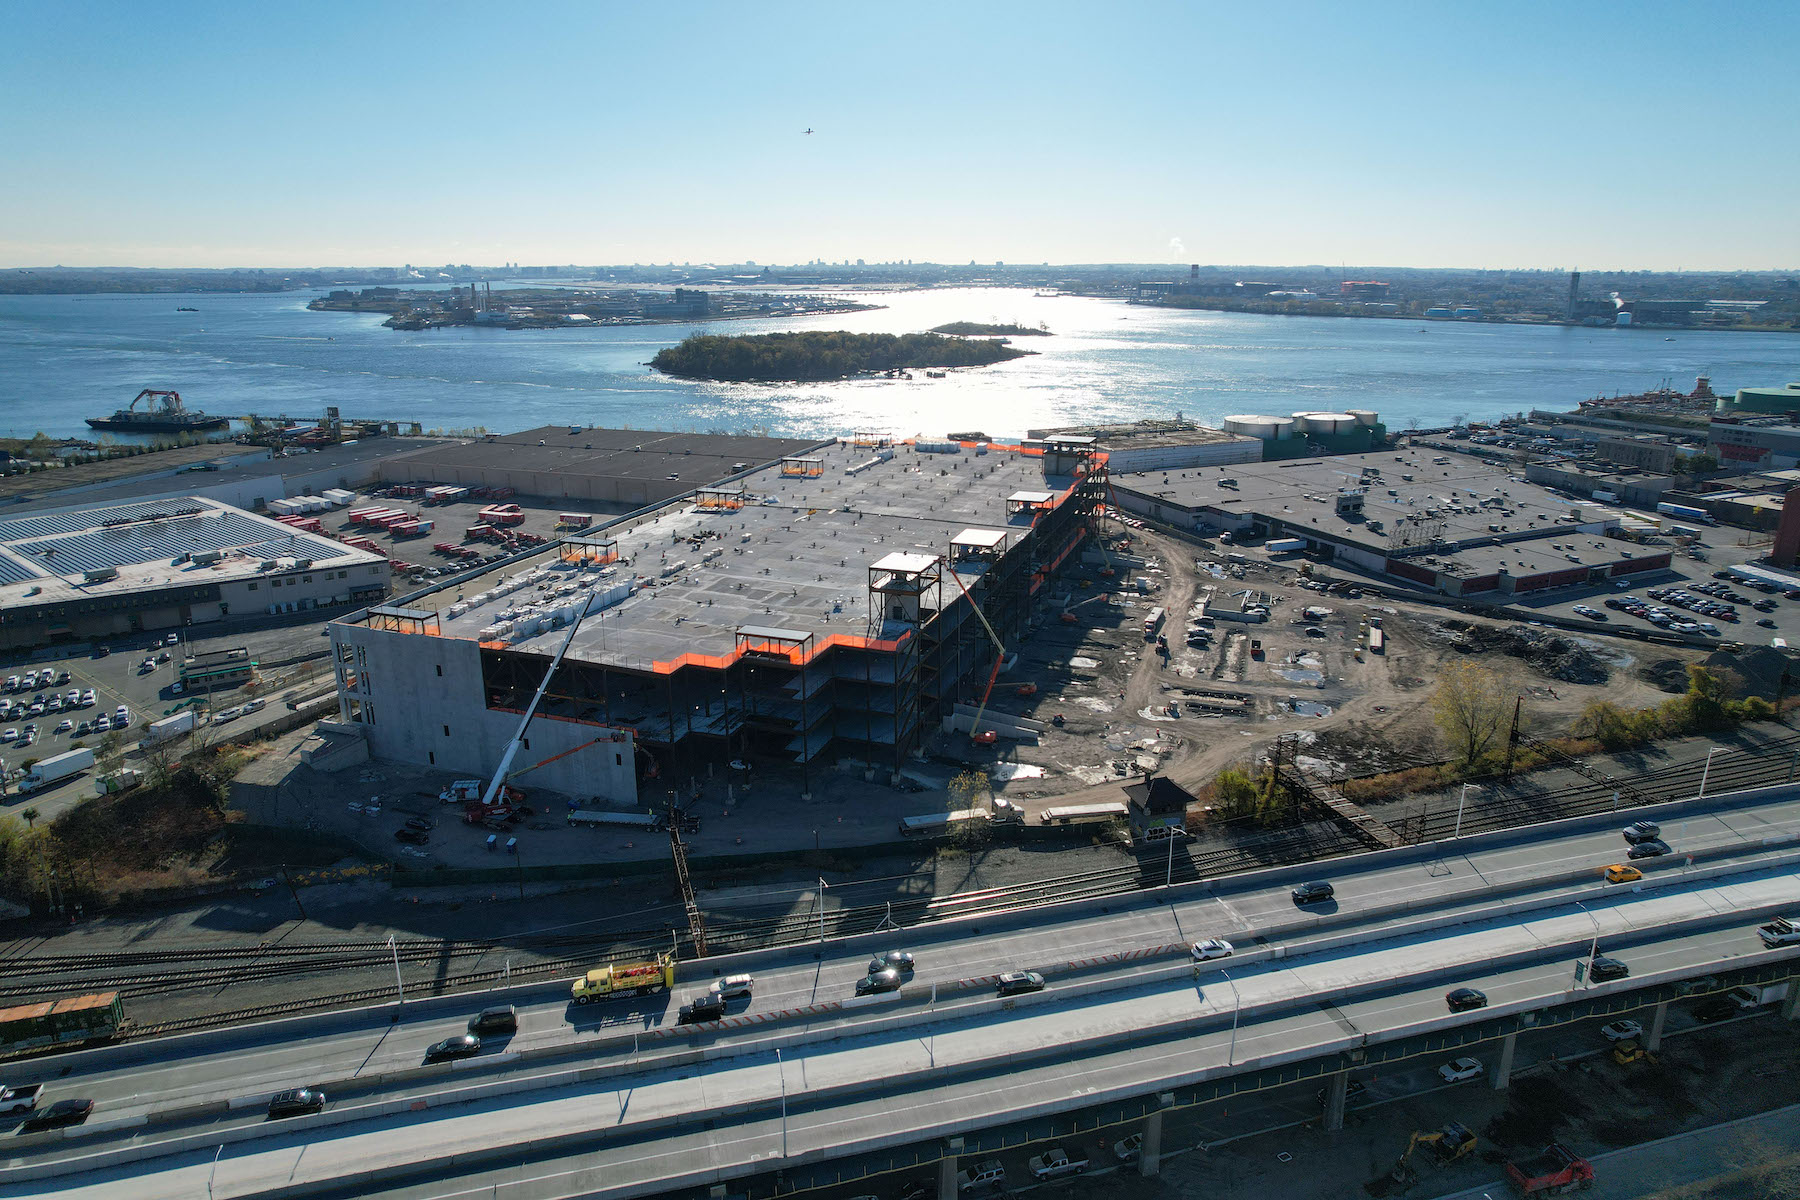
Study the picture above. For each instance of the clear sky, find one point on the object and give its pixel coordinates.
(1519, 134)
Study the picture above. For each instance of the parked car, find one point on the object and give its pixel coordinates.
(1460, 1069)
(1353, 1091)
(415, 837)
(1015, 983)
(1127, 1149)
(1715, 1008)
(1463, 999)
(1212, 948)
(1316, 892)
(1603, 968)
(461, 1046)
(1619, 1031)
(295, 1103)
(876, 982)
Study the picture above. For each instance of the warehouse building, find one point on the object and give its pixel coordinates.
(1158, 445)
(626, 467)
(817, 608)
(1452, 523)
(99, 571)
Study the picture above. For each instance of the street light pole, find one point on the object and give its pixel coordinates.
(1459, 810)
(819, 899)
(1169, 871)
(399, 989)
(1236, 1007)
(783, 1073)
(1704, 771)
(1594, 949)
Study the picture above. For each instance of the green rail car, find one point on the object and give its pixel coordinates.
(50, 1022)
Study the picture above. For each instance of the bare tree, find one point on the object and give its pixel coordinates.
(1472, 704)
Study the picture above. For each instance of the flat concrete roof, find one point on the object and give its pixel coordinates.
(695, 459)
(1303, 493)
(795, 558)
(1538, 557)
(1130, 434)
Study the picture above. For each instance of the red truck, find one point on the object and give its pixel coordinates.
(1556, 1170)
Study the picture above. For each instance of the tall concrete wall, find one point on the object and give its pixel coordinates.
(420, 700)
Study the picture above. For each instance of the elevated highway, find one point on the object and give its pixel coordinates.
(616, 1101)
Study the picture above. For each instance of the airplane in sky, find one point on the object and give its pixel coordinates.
(809, 131)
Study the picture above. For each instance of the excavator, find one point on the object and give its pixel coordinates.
(1446, 1145)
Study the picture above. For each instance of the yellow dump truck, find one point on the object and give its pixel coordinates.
(639, 978)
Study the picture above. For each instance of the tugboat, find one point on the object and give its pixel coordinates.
(163, 414)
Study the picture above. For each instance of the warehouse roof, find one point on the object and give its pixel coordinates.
(693, 458)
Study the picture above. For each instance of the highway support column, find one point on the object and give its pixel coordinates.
(1150, 1155)
(1790, 1003)
(946, 1188)
(1653, 1035)
(1337, 1093)
(1503, 1072)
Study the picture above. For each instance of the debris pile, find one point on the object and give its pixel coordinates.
(1545, 651)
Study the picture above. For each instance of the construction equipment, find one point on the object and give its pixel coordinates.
(978, 735)
(1556, 1170)
(1446, 1145)
(678, 848)
(639, 979)
(1629, 1051)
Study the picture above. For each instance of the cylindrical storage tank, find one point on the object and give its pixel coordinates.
(1365, 416)
(1251, 425)
(1284, 427)
(1323, 422)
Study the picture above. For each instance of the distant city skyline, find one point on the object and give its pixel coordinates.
(1535, 137)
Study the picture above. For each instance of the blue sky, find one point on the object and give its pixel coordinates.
(1656, 136)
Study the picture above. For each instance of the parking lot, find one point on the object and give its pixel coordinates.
(1690, 598)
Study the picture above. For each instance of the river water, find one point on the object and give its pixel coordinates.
(63, 358)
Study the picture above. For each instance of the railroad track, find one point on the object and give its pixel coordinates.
(26, 975)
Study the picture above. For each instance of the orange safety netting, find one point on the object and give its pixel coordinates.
(794, 654)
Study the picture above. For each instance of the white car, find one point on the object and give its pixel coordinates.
(72, 699)
(7, 735)
(252, 706)
(1457, 1070)
(87, 698)
(65, 725)
(12, 683)
(1620, 1031)
(102, 723)
(227, 714)
(1212, 948)
(122, 717)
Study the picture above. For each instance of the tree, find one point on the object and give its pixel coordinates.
(31, 815)
(1472, 703)
(969, 787)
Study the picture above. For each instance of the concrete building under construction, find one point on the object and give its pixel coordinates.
(845, 601)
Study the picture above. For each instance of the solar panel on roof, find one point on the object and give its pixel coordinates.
(13, 571)
(75, 520)
(119, 546)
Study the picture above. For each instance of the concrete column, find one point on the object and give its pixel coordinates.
(1150, 1158)
(946, 1189)
(1336, 1093)
(1790, 1004)
(1503, 1073)
(1653, 1035)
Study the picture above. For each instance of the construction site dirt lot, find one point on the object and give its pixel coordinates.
(1117, 703)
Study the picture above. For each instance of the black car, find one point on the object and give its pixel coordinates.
(1717, 1008)
(1650, 849)
(707, 1006)
(1015, 983)
(499, 1019)
(1642, 831)
(460, 1046)
(296, 1103)
(1465, 998)
(900, 960)
(417, 837)
(423, 824)
(1316, 892)
(1353, 1091)
(1604, 968)
(885, 980)
(63, 1112)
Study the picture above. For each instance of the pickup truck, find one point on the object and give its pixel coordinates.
(1054, 1163)
(1781, 931)
(19, 1099)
